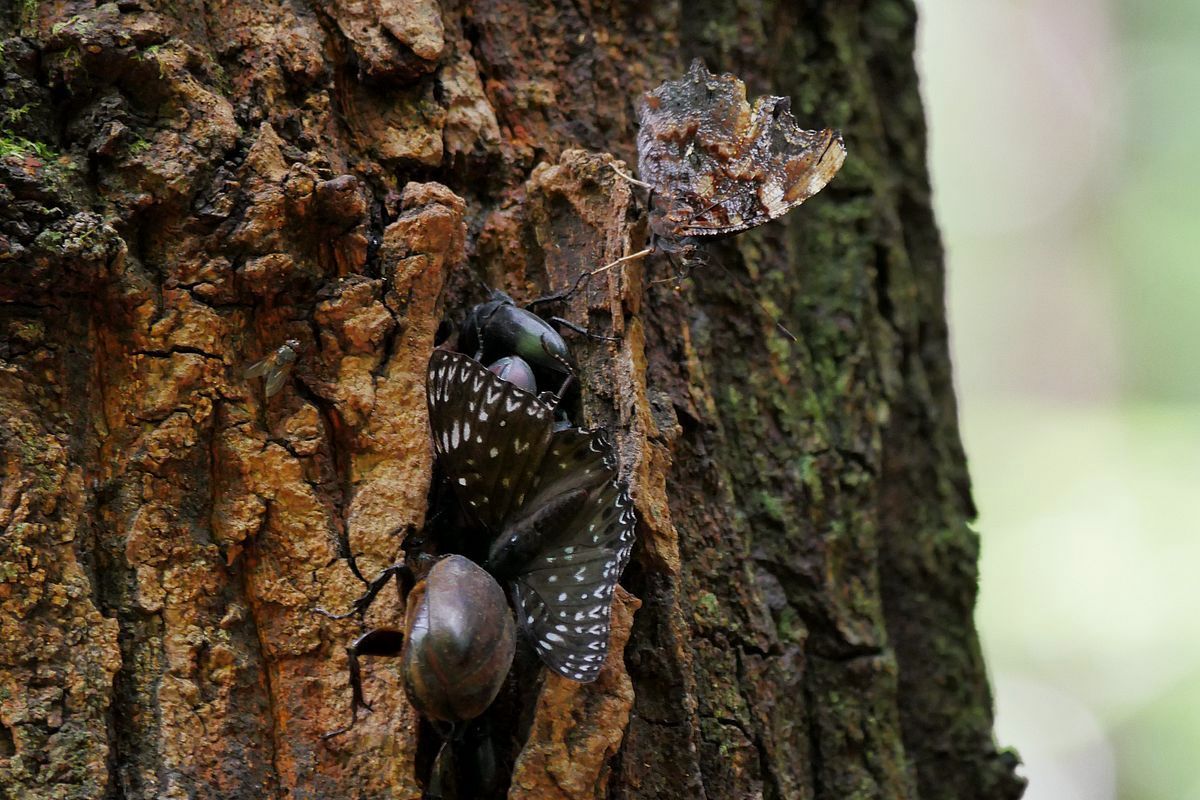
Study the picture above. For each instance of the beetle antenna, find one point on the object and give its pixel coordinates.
(487, 290)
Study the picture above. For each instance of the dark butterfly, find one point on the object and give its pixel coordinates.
(717, 166)
(563, 522)
(276, 366)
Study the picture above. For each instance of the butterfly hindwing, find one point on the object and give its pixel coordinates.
(489, 435)
(563, 596)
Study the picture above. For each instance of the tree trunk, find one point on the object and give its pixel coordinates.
(188, 183)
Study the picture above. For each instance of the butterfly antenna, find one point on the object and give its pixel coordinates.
(586, 277)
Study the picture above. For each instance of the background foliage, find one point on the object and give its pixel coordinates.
(1064, 159)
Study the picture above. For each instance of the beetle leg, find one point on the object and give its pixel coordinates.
(555, 398)
(444, 780)
(571, 326)
(442, 774)
(385, 642)
(404, 580)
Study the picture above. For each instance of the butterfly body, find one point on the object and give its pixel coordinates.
(561, 520)
(520, 541)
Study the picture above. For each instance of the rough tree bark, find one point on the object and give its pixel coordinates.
(186, 183)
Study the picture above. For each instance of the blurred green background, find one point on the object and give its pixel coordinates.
(1065, 149)
(1065, 155)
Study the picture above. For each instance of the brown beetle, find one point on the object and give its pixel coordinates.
(457, 644)
(460, 643)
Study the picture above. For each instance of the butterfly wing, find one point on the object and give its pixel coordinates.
(787, 166)
(717, 165)
(490, 437)
(563, 596)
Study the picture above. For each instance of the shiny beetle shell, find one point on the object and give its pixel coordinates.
(516, 371)
(500, 328)
(460, 641)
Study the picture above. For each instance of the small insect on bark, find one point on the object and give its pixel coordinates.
(276, 367)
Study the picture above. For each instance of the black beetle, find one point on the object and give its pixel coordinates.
(501, 328)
